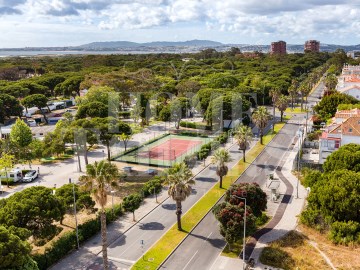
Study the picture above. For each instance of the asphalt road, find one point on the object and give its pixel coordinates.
(127, 249)
(202, 247)
(204, 244)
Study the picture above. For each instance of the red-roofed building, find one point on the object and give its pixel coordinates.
(338, 134)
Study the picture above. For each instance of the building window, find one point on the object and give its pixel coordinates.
(337, 144)
(350, 129)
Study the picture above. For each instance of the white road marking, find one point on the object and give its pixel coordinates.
(208, 236)
(191, 259)
(121, 260)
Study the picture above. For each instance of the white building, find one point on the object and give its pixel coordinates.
(349, 81)
(352, 90)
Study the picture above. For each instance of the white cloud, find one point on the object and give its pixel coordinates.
(252, 19)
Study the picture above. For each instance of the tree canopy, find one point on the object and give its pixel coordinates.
(34, 208)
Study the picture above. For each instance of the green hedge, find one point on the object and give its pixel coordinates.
(191, 134)
(125, 114)
(7, 181)
(186, 124)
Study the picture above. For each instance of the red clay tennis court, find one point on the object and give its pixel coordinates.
(170, 149)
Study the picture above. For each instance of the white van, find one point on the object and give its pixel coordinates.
(14, 174)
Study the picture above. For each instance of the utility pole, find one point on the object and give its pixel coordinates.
(76, 223)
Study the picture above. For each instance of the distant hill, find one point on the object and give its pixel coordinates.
(127, 44)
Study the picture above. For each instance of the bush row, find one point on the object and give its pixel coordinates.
(205, 150)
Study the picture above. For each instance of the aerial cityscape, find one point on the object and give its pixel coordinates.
(180, 135)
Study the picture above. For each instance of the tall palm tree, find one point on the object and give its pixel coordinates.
(101, 177)
(261, 117)
(221, 157)
(293, 91)
(303, 89)
(243, 135)
(179, 179)
(282, 104)
(274, 94)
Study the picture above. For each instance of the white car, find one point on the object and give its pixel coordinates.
(30, 176)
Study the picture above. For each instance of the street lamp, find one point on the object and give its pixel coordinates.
(244, 240)
(76, 223)
(299, 135)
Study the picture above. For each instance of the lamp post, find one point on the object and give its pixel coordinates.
(244, 240)
(76, 223)
(299, 134)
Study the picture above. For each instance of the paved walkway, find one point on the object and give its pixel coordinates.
(284, 220)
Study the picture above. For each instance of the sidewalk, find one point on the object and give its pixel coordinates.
(90, 251)
(287, 222)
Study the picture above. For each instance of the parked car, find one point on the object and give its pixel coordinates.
(30, 176)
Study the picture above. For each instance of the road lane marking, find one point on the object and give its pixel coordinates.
(191, 259)
(120, 260)
(208, 236)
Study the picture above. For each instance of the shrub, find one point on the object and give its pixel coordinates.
(152, 186)
(125, 115)
(8, 181)
(190, 160)
(187, 124)
(345, 232)
(313, 218)
(215, 145)
(192, 134)
(69, 151)
(311, 177)
(222, 138)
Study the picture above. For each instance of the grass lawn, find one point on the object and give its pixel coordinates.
(295, 110)
(54, 159)
(168, 242)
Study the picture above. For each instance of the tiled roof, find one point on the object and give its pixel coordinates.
(347, 113)
(351, 126)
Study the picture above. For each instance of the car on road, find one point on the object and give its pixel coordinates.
(30, 176)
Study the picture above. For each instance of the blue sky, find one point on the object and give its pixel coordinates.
(75, 22)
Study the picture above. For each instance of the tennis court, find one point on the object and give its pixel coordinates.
(165, 151)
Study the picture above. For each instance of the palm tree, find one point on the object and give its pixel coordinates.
(293, 91)
(179, 179)
(282, 104)
(243, 135)
(303, 90)
(274, 94)
(221, 157)
(261, 117)
(101, 177)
